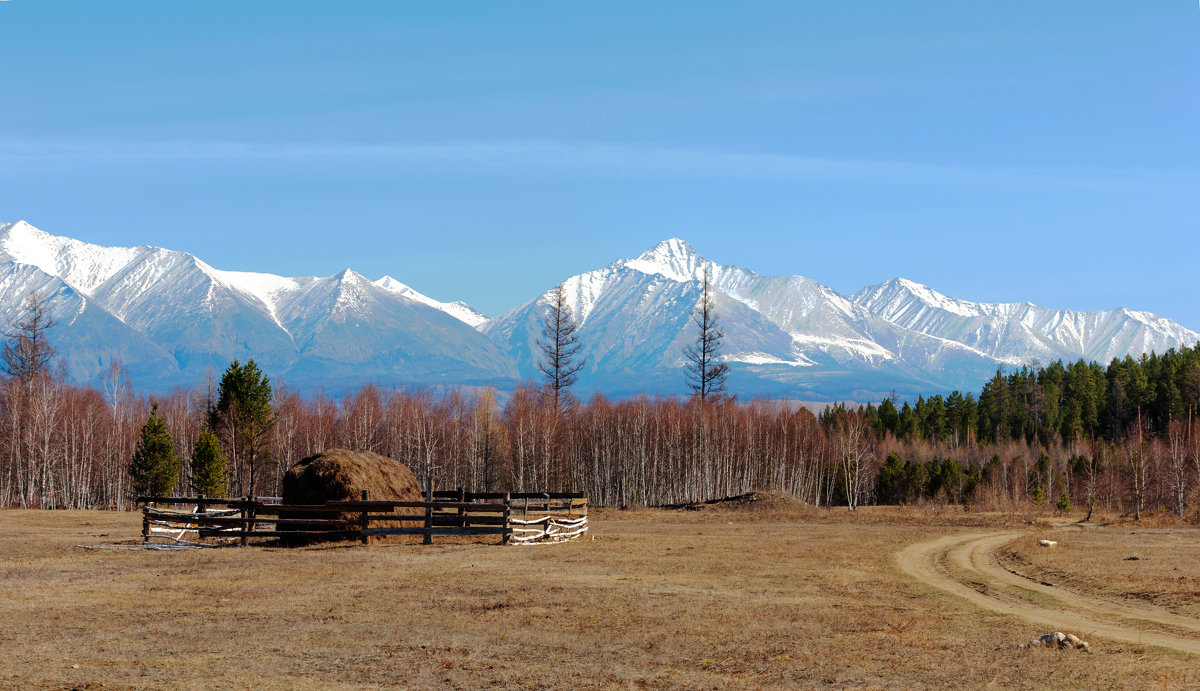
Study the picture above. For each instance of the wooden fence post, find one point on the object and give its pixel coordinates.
(428, 538)
(145, 524)
(363, 522)
(462, 511)
(507, 531)
(200, 508)
(247, 526)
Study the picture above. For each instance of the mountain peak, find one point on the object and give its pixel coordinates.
(459, 310)
(671, 247)
(22, 232)
(673, 258)
(350, 276)
(83, 265)
(896, 294)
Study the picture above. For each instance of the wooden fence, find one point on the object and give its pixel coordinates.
(555, 517)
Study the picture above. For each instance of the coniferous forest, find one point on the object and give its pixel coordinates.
(1125, 437)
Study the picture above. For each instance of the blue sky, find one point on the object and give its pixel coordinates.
(484, 151)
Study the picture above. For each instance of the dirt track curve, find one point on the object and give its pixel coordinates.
(965, 565)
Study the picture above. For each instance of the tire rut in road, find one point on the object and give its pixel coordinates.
(973, 554)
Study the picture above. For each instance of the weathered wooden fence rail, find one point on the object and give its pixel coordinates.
(556, 517)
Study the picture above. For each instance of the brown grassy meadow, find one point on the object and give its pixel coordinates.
(1151, 565)
(726, 597)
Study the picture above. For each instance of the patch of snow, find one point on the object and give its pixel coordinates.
(858, 346)
(83, 265)
(459, 310)
(582, 292)
(266, 288)
(757, 358)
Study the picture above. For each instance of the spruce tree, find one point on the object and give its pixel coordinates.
(208, 466)
(154, 466)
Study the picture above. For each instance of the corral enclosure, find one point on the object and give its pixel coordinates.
(344, 494)
(555, 517)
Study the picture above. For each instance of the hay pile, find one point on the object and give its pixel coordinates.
(338, 474)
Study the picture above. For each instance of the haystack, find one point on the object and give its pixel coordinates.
(338, 474)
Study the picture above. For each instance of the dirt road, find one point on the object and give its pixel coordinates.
(965, 565)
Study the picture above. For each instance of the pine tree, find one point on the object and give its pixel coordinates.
(208, 466)
(243, 421)
(560, 347)
(706, 374)
(154, 467)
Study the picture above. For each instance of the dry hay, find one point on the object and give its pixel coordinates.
(340, 474)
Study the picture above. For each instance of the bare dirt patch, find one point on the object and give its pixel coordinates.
(660, 599)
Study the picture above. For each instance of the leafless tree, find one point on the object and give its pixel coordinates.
(1135, 459)
(706, 374)
(853, 441)
(560, 363)
(26, 352)
(1177, 449)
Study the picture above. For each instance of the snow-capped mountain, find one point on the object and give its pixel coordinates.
(459, 310)
(1017, 333)
(169, 317)
(790, 335)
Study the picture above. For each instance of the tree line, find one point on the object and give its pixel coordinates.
(1061, 403)
(1124, 436)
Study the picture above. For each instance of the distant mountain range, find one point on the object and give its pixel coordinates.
(169, 317)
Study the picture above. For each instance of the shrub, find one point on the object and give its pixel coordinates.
(1064, 503)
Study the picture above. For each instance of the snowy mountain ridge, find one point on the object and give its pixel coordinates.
(1048, 333)
(790, 332)
(169, 317)
(87, 267)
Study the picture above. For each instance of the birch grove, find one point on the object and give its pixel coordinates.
(67, 446)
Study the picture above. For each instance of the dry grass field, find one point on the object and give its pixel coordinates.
(1158, 566)
(754, 596)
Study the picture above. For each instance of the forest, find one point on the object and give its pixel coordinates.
(1124, 437)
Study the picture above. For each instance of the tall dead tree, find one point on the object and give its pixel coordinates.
(27, 353)
(706, 373)
(560, 363)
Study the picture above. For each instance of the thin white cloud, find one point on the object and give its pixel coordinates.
(573, 158)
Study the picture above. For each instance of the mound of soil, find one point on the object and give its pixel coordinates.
(338, 474)
(766, 502)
